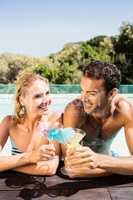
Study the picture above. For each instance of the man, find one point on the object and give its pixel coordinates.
(95, 115)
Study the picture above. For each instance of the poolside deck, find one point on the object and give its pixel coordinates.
(19, 186)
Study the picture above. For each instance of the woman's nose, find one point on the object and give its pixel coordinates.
(47, 99)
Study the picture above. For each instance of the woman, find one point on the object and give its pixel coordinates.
(32, 153)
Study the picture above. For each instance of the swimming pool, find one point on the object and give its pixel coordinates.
(58, 104)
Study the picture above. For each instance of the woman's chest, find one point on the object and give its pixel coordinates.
(24, 140)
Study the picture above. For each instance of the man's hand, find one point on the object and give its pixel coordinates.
(81, 156)
(83, 162)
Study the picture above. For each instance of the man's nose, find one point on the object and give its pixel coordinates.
(83, 95)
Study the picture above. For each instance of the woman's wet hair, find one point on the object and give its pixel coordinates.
(23, 82)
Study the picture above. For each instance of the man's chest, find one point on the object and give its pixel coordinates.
(103, 129)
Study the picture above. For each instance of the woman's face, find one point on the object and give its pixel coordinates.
(37, 98)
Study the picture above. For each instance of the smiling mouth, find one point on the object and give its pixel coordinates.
(88, 107)
(43, 108)
(87, 104)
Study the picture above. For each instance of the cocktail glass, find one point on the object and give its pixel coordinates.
(75, 140)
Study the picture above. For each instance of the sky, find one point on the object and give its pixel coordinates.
(42, 27)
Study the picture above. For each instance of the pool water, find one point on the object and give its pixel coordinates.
(58, 104)
(7, 107)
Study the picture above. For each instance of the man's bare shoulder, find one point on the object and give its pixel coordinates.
(54, 117)
(125, 108)
(76, 104)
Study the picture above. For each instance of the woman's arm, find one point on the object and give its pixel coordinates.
(4, 130)
(13, 161)
(9, 162)
(46, 166)
(41, 168)
(26, 158)
(27, 162)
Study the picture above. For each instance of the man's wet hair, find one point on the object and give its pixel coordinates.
(101, 70)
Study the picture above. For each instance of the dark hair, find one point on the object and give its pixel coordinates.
(106, 71)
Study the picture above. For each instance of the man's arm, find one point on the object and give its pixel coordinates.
(86, 163)
(73, 117)
(122, 165)
(86, 172)
(91, 160)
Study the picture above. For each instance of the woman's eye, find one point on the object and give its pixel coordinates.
(47, 93)
(38, 96)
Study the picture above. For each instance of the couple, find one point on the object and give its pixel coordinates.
(100, 112)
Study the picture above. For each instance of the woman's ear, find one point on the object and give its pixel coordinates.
(50, 101)
(21, 101)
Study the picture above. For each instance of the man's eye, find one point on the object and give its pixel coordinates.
(93, 93)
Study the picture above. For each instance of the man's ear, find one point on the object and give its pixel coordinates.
(112, 93)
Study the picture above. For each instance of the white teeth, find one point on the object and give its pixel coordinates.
(45, 112)
(88, 105)
(44, 109)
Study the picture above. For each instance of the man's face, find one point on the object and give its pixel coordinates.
(93, 95)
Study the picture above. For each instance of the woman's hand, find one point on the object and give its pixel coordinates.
(52, 165)
(43, 153)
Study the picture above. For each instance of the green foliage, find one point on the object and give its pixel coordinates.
(96, 53)
(65, 65)
(124, 53)
(51, 73)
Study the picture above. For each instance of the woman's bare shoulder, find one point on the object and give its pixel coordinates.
(8, 120)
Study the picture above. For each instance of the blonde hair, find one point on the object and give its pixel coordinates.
(24, 80)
